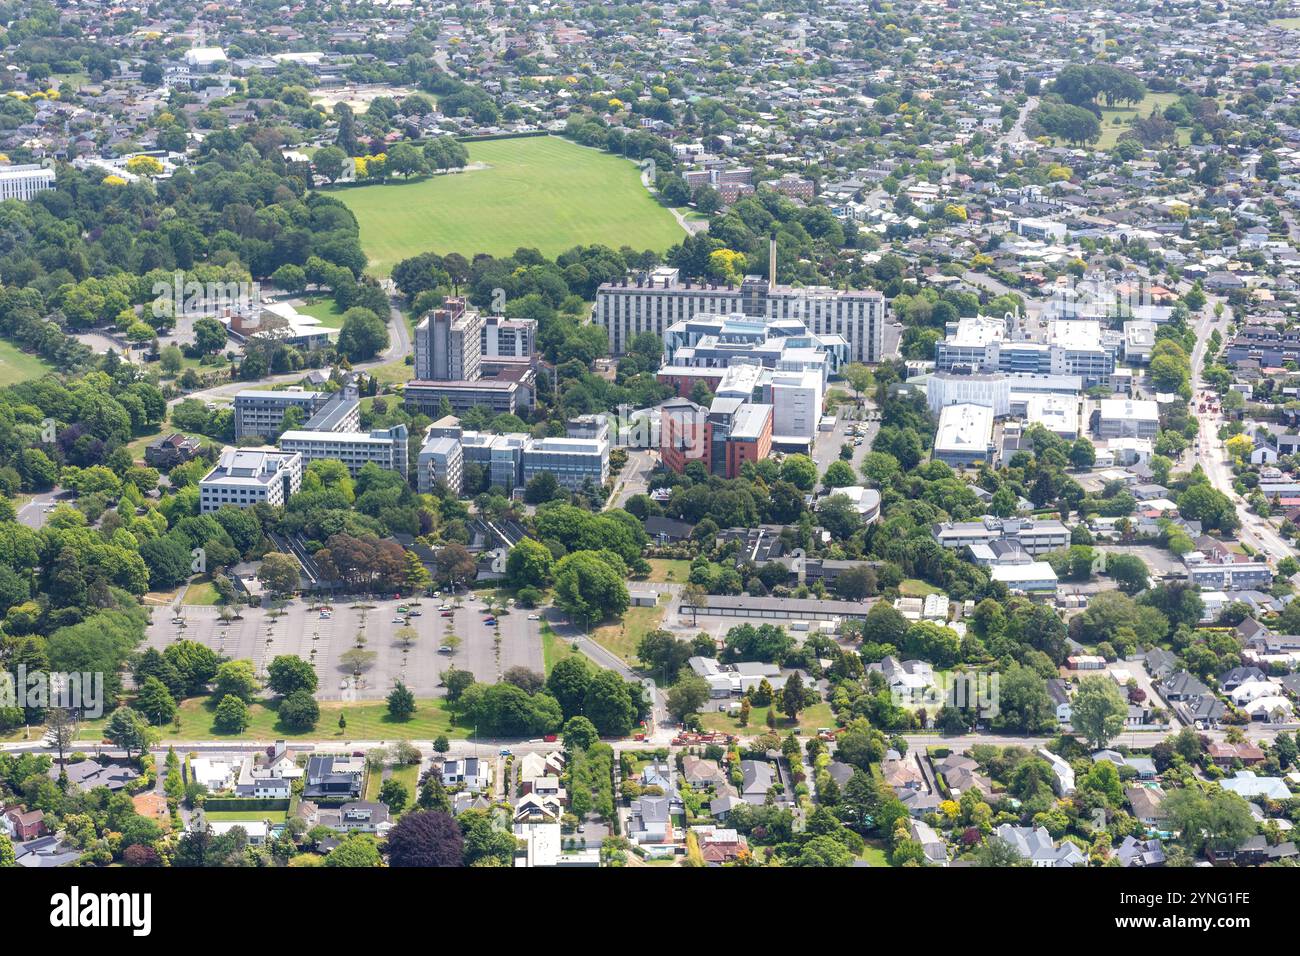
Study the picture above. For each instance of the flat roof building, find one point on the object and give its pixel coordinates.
(965, 435)
(386, 447)
(248, 476)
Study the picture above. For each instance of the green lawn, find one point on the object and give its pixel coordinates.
(554, 648)
(818, 715)
(664, 570)
(1110, 132)
(323, 308)
(365, 721)
(622, 637)
(542, 192)
(1287, 23)
(200, 593)
(244, 816)
(18, 366)
(915, 587)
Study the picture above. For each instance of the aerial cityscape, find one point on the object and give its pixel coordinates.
(783, 433)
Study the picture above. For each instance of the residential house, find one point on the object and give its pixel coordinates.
(469, 772)
(1035, 845)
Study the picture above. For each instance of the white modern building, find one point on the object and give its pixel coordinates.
(24, 181)
(441, 459)
(248, 476)
(260, 412)
(796, 405)
(965, 435)
(386, 447)
(651, 302)
(1127, 418)
(573, 461)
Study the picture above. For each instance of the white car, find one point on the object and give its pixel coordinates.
(534, 617)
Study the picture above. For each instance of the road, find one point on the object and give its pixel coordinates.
(634, 479)
(1255, 531)
(34, 514)
(1017, 132)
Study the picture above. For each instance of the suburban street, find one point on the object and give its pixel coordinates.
(1255, 531)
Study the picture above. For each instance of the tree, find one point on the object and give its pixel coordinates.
(236, 679)
(455, 565)
(288, 673)
(279, 573)
(1098, 710)
(1219, 821)
(687, 696)
(425, 838)
(60, 730)
(129, 730)
(329, 162)
(357, 850)
(1129, 572)
(794, 697)
(7, 856)
(401, 702)
(589, 587)
(155, 701)
(299, 711)
(859, 378)
(580, 734)
(1082, 454)
(362, 335)
(529, 564)
(232, 715)
(209, 336)
(839, 474)
(394, 793)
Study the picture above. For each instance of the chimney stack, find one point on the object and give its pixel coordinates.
(771, 259)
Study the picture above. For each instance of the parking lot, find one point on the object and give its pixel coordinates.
(260, 637)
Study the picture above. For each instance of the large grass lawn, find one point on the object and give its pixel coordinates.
(623, 636)
(18, 366)
(368, 720)
(541, 192)
(669, 570)
(245, 816)
(818, 715)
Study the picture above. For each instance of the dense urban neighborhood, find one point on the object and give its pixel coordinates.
(783, 433)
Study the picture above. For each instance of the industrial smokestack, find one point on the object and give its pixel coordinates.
(771, 259)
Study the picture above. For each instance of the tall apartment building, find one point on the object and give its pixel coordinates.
(244, 477)
(653, 302)
(507, 338)
(24, 181)
(449, 343)
(386, 447)
(441, 459)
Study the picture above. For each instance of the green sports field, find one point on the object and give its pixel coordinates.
(541, 192)
(18, 366)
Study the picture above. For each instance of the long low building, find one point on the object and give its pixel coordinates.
(386, 447)
(797, 609)
(1035, 537)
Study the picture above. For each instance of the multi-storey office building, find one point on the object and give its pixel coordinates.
(386, 447)
(260, 412)
(573, 461)
(656, 301)
(24, 181)
(248, 476)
